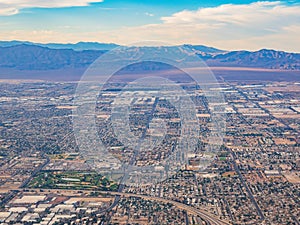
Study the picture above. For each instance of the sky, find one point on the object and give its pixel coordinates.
(228, 25)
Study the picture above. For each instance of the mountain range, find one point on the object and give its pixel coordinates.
(28, 56)
(77, 47)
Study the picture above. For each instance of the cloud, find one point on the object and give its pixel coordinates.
(254, 16)
(231, 26)
(11, 7)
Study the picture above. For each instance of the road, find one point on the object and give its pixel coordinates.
(36, 171)
(12, 194)
(133, 159)
(206, 216)
(237, 170)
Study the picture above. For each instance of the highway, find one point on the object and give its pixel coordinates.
(203, 214)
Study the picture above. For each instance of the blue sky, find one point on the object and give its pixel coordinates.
(224, 24)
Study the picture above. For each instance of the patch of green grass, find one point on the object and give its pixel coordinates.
(72, 180)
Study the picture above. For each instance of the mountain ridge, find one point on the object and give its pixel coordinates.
(264, 58)
(79, 46)
(27, 56)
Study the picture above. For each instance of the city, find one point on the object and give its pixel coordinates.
(253, 179)
(149, 112)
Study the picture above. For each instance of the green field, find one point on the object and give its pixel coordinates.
(72, 180)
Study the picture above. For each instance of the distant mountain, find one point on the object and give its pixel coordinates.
(264, 58)
(30, 57)
(77, 47)
(82, 46)
(13, 43)
(204, 50)
(200, 49)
